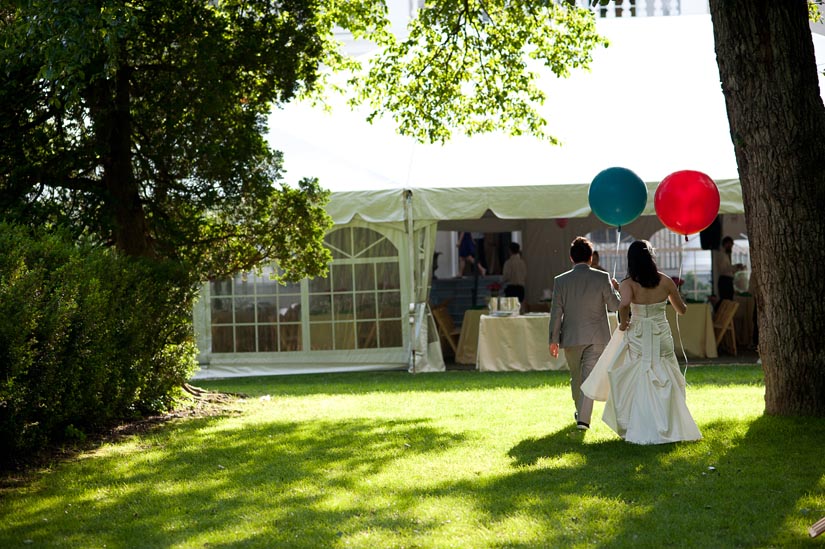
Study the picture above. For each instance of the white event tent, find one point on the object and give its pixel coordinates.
(652, 102)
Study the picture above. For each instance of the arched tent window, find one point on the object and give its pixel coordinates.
(358, 306)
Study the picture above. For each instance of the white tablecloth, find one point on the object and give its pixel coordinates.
(516, 343)
(696, 328)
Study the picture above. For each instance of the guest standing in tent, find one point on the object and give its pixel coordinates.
(467, 254)
(515, 273)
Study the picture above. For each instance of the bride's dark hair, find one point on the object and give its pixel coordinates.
(641, 267)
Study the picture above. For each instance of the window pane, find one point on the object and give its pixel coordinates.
(365, 277)
(265, 286)
(244, 339)
(367, 335)
(344, 335)
(244, 310)
(290, 337)
(366, 306)
(382, 248)
(389, 304)
(221, 311)
(342, 305)
(222, 341)
(340, 243)
(267, 309)
(389, 333)
(319, 285)
(221, 287)
(320, 306)
(243, 285)
(364, 237)
(267, 339)
(321, 335)
(291, 313)
(388, 276)
(290, 288)
(341, 278)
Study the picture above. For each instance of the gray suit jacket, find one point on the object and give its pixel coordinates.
(581, 298)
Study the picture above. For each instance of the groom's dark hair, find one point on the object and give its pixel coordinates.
(581, 250)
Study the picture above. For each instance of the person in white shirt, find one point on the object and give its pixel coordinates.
(514, 274)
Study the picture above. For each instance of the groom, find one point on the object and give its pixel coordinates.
(578, 320)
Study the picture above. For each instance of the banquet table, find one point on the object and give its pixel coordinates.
(516, 343)
(468, 338)
(696, 328)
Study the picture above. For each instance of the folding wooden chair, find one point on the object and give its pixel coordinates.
(446, 326)
(723, 324)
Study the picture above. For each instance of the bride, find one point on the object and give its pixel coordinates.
(646, 399)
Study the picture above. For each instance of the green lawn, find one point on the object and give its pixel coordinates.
(459, 459)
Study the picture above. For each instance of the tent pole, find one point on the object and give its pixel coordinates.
(408, 215)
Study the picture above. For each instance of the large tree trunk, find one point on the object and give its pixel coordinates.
(777, 120)
(123, 195)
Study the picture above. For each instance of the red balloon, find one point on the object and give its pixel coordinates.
(561, 222)
(687, 202)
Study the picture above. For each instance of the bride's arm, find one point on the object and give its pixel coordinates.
(626, 291)
(673, 294)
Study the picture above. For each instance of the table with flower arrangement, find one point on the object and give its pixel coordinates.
(519, 343)
(516, 343)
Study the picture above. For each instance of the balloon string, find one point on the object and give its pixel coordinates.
(616, 262)
(678, 329)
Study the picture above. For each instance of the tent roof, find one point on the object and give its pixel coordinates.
(515, 202)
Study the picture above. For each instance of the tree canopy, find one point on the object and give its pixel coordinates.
(140, 124)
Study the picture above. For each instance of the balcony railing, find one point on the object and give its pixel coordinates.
(634, 8)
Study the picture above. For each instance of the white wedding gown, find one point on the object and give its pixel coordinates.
(646, 400)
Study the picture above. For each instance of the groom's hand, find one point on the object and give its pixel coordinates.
(554, 350)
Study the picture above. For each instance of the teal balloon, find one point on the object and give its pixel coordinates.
(617, 196)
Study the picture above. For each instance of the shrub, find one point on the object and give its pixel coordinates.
(87, 337)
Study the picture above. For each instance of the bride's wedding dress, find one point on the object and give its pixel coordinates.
(646, 399)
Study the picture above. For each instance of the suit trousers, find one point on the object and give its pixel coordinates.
(581, 359)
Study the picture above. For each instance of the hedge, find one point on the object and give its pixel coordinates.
(87, 337)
